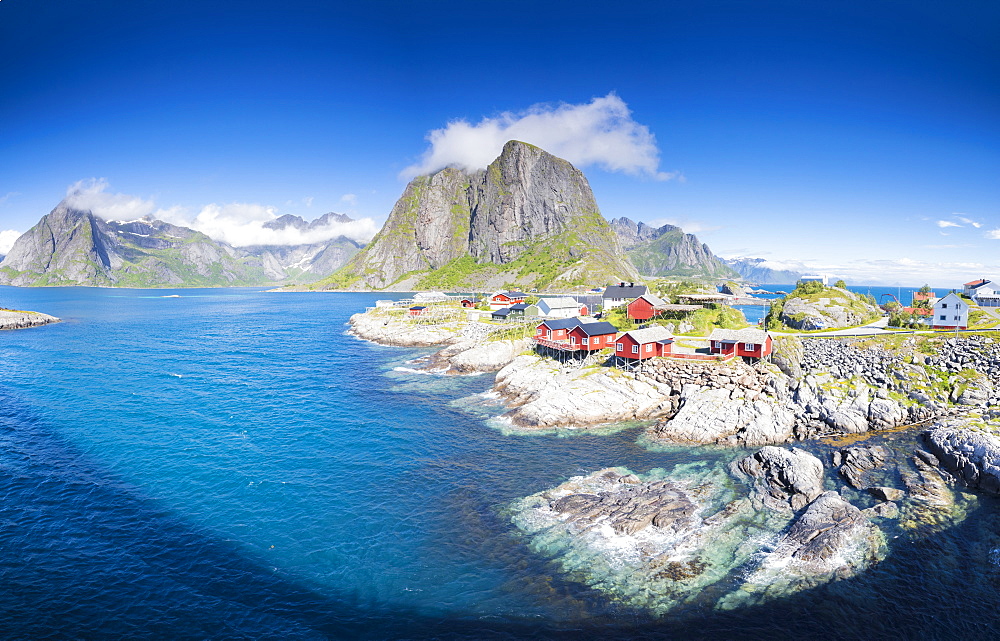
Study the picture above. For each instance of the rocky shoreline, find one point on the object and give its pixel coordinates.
(739, 529)
(468, 347)
(14, 319)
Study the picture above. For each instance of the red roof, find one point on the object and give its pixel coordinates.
(977, 283)
(923, 311)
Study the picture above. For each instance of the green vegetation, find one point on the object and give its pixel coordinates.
(840, 284)
(815, 292)
(715, 315)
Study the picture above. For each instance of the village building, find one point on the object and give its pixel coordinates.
(593, 336)
(514, 311)
(640, 344)
(621, 294)
(561, 307)
(816, 278)
(984, 292)
(468, 303)
(924, 297)
(644, 307)
(951, 312)
(556, 329)
(430, 297)
(748, 343)
(505, 299)
(418, 310)
(972, 288)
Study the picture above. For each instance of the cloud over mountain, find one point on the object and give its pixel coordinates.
(600, 133)
(239, 224)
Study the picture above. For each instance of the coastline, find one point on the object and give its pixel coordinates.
(903, 429)
(17, 319)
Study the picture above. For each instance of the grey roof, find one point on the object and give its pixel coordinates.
(520, 307)
(561, 302)
(562, 323)
(652, 300)
(598, 329)
(502, 312)
(746, 335)
(622, 292)
(652, 334)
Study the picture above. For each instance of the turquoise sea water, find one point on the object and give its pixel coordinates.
(231, 464)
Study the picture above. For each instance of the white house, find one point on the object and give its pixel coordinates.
(621, 294)
(986, 293)
(561, 307)
(951, 312)
(818, 278)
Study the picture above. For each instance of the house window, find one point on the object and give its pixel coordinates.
(584, 341)
(944, 305)
(649, 347)
(572, 340)
(944, 317)
(958, 318)
(635, 349)
(619, 347)
(749, 347)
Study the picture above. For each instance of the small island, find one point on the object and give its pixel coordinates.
(17, 319)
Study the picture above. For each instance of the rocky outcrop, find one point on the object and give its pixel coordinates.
(856, 462)
(542, 393)
(529, 218)
(468, 346)
(668, 251)
(12, 319)
(784, 479)
(969, 450)
(832, 539)
(831, 309)
(658, 541)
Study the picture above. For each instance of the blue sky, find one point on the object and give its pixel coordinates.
(860, 139)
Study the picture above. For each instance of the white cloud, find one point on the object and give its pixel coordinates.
(600, 133)
(242, 224)
(7, 238)
(350, 199)
(91, 195)
(968, 221)
(239, 224)
(947, 223)
(993, 234)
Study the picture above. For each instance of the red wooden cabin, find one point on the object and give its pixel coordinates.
(641, 344)
(644, 308)
(750, 343)
(556, 329)
(593, 336)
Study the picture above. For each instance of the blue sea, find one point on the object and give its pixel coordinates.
(229, 464)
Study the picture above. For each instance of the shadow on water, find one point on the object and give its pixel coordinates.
(87, 556)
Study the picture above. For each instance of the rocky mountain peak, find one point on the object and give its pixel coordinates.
(528, 209)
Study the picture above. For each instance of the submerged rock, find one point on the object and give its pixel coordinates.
(687, 537)
(856, 463)
(832, 539)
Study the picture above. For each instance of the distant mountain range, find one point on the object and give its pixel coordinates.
(74, 247)
(528, 220)
(668, 252)
(753, 270)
